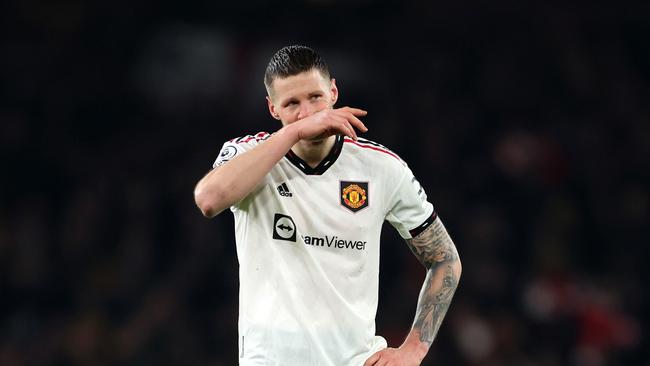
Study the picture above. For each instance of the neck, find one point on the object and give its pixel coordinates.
(313, 152)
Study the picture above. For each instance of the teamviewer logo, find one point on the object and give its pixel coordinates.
(284, 228)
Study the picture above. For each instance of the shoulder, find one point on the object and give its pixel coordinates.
(238, 145)
(374, 150)
(258, 137)
(246, 142)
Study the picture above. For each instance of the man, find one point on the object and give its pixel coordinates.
(309, 202)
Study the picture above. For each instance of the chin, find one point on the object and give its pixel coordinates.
(317, 140)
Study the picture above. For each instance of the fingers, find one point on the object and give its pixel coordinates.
(358, 124)
(347, 130)
(354, 133)
(331, 121)
(355, 111)
(341, 123)
(350, 114)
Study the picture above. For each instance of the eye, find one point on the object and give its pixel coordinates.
(316, 97)
(291, 103)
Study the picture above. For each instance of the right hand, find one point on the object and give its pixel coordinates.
(330, 122)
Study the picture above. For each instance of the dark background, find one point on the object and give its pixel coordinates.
(528, 124)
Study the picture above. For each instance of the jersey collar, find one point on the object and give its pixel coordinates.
(324, 165)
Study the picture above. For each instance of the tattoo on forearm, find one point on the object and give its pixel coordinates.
(433, 245)
(434, 248)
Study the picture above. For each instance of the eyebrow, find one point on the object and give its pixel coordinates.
(309, 95)
(287, 101)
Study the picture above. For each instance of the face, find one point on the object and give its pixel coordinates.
(299, 96)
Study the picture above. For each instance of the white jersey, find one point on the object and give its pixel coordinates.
(308, 249)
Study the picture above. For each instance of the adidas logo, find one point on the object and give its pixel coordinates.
(283, 189)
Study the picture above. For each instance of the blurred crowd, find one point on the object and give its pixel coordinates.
(528, 125)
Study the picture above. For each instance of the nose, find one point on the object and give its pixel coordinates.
(306, 110)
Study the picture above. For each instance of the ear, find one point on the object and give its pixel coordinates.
(272, 110)
(334, 91)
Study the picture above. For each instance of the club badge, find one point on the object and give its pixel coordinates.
(354, 195)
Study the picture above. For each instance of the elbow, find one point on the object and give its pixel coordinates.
(208, 211)
(208, 202)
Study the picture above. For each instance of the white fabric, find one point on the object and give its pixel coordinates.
(312, 301)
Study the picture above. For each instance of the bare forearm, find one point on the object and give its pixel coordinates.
(438, 289)
(228, 184)
(437, 252)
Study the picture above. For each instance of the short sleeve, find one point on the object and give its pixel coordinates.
(237, 146)
(228, 151)
(409, 211)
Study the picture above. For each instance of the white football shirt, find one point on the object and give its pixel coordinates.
(308, 250)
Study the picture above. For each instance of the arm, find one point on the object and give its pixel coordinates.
(224, 186)
(436, 251)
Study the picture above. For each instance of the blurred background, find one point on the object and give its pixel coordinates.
(528, 124)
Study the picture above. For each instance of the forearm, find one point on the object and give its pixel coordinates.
(435, 249)
(228, 184)
(433, 303)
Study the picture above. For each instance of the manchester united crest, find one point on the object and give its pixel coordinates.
(354, 195)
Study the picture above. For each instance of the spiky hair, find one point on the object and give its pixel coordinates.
(293, 60)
